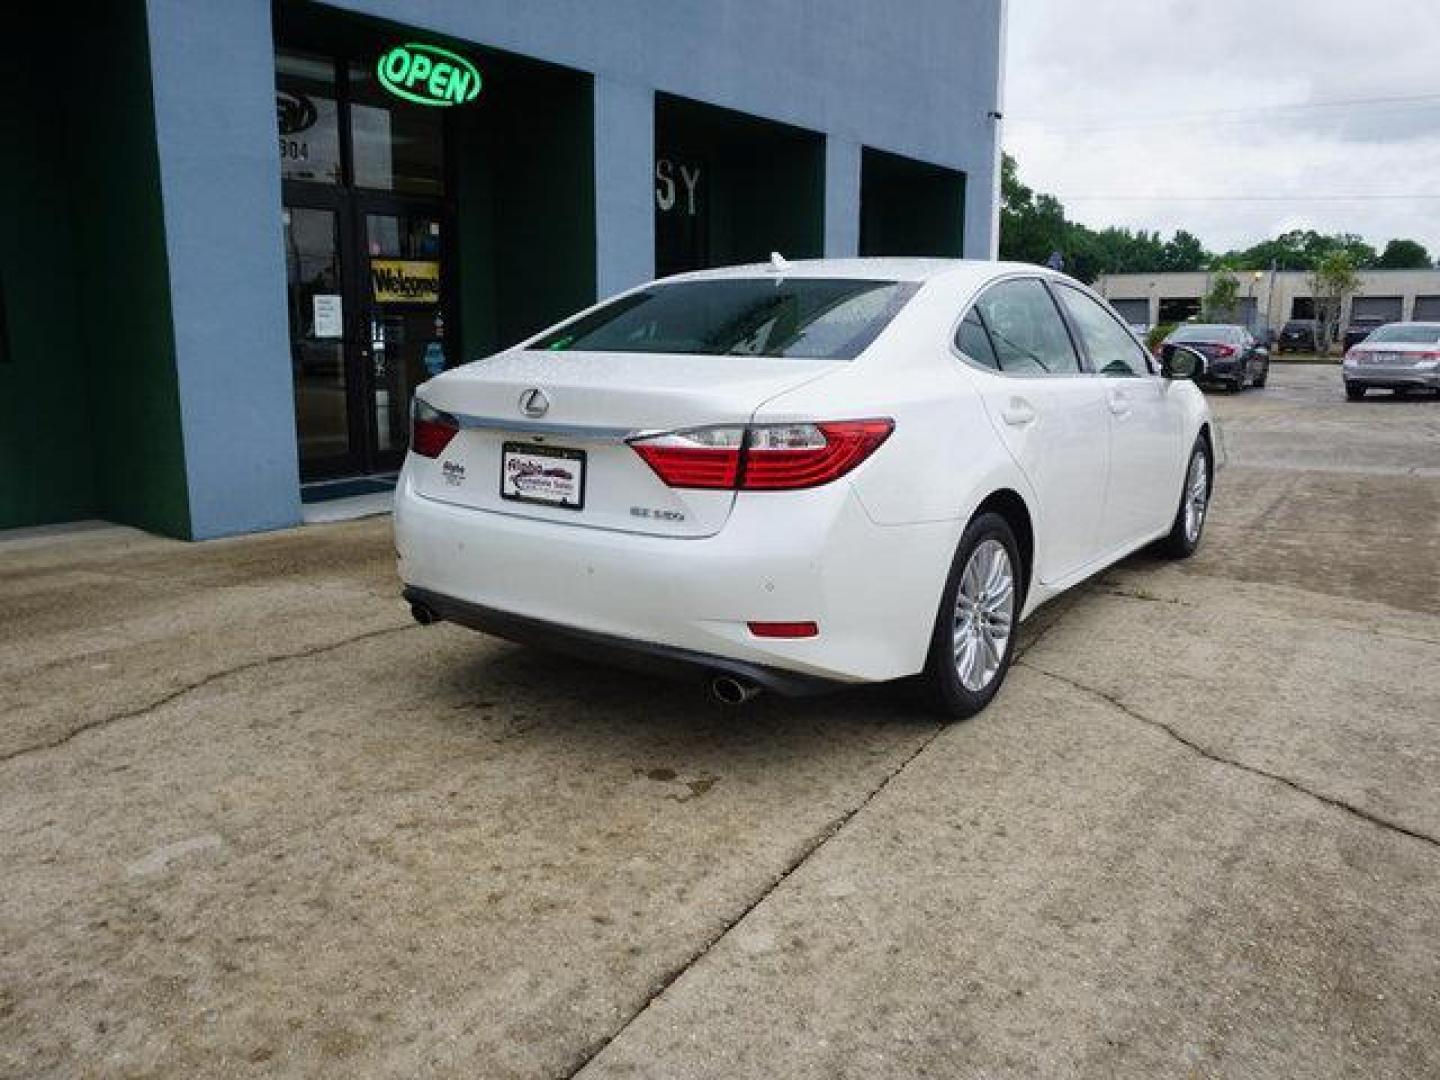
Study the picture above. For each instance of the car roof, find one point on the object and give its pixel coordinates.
(956, 271)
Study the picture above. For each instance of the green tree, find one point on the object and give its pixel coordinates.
(1031, 226)
(1301, 249)
(1184, 251)
(1333, 278)
(1404, 255)
(1223, 297)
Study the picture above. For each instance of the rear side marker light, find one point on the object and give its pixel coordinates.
(430, 429)
(784, 629)
(762, 457)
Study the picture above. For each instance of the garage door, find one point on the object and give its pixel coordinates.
(1175, 309)
(1137, 311)
(1427, 309)
(1383, 308)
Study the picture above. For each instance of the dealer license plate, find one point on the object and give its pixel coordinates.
(547, 475)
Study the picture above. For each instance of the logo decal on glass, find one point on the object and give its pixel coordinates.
(428, 75)
(295, 112)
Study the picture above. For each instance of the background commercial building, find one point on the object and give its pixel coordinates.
(239, 233)
(1269, 300)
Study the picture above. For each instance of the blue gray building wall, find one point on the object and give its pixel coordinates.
(919, 78)
(213, 78)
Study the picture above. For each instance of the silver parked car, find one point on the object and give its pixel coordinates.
(1398, 356)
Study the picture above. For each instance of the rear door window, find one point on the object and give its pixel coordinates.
(1025, 327)
(973, 340)
(1111, 349)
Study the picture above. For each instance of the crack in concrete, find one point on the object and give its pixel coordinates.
(1058, 609)
(1288, 620)
(179, 692)
(1147, 597)
(1332, 801)
(816, 842)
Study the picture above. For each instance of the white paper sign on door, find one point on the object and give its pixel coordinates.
(328, 319)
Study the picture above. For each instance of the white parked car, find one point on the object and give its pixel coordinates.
(797, 475)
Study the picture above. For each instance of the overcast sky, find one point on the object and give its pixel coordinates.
(1113, 104)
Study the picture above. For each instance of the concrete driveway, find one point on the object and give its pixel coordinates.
(254, 822)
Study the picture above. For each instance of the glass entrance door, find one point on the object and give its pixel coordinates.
(367, 326)
(365, 226)
(316, 291)
(405, 324)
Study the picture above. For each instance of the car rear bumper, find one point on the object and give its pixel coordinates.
(1391, 378)
(644, 656)
(791, 556)
(1227, 368)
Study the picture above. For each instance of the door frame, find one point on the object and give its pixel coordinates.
(350, 204)
(303, 196)
(363, 204)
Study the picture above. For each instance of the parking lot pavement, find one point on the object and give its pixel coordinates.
(253, 822)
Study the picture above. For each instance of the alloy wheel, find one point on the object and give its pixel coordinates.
(984, 615)
(1197, 497)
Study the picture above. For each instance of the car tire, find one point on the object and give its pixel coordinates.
(966, 664)
(1186, 531)
(1354, 393)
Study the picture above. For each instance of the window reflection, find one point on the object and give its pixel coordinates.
(395, 146)
(308, 118)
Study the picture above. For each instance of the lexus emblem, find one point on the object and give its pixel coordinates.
(533, 402)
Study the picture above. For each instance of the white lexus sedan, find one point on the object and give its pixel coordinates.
(797, 475)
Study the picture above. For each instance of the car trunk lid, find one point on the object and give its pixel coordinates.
(543, 433)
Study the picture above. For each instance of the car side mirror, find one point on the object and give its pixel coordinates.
(1181, 362)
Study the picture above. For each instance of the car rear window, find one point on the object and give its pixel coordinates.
(814, 318)
(1204, 333)
(1407, 335)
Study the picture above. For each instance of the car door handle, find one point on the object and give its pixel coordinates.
(1119, 403)
(1019, 413)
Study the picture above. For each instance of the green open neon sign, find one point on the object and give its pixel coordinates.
(428, 75)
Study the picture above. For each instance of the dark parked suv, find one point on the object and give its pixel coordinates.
(1298, 335)
(1359, 330)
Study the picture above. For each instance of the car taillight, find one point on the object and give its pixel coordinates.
(784, 629)
(698, 458)
(1222, 350)
(430, 429)
(762, 457)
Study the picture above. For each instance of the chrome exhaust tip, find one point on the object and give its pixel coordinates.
(730, 690)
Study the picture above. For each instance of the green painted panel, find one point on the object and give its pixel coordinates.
(910, 207)
(526, 185)
(45, 454)
(759, 186)
(89, 408)
(123, 279)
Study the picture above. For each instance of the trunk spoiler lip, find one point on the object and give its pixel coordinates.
(588, 432)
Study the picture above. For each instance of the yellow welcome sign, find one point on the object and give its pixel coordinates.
(405, 281)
